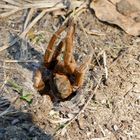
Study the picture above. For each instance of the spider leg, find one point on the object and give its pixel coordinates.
(50, 50)
(58, 49)
(55, 56)
(38, 81)
(80, 73)
(69, 61)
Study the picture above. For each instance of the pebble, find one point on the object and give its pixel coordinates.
(136, 88)
(115, 127)
(81, 123)
(15, 121)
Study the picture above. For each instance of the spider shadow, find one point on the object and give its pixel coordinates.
(16, 124)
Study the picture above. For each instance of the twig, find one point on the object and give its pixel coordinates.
(21, 61)
(4, 77)
(64, 120)
(105, 66)
(79, 113)
(6, 14)
(22, 35)
(3, 85)
(12, 2)
(10, 68)
(29, 1)
(5, 112)
(103, 138)
(20, 7)
(24, 44)
(9, 108)
(9, 44)
(4, 71)
(41, 5)
(37, 19)
(94, 32)
(8, 6)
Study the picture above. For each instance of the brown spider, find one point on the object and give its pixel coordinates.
(65, 75)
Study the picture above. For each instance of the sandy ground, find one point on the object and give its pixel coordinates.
(112, 114)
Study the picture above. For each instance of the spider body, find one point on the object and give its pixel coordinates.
(65, 75)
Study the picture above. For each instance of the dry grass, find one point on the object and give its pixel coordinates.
(115, 108)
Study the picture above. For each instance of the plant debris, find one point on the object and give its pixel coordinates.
(124, 13)
(24, 94)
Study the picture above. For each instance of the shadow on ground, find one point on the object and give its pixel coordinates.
(17, 125)
(22, 50)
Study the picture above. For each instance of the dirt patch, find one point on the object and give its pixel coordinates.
(113, 113)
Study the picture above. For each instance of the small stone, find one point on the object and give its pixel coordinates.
(103, 101)
(89, 134)
(81, 123)
(136, 88)
(70, 115)
(115, 127)
(15, 121)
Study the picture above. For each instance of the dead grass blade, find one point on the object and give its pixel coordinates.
(76, 12)
(105, 65)
(12, 2)
(33, 23)
(28, 1)
(31, 11)
(21, 61)
(18, 7)
(6, 14)
(24, 44)
(6, 6)
(22, 35)
(8, 110)
(41, 5)
(94, 32)
(36, 20)
(4, 83)
(9, 44)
